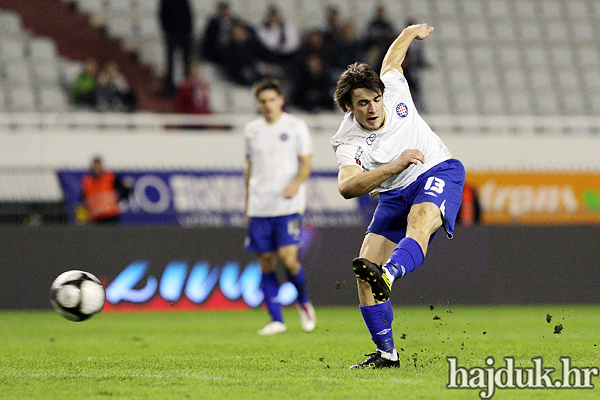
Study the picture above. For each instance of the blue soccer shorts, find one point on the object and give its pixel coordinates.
(267, 234)
(441, 185)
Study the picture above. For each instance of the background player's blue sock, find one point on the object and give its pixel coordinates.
(270, 287)
(378, 319)
(407, 256)
(299, 281)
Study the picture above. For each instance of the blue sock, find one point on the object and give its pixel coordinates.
(378, 319)
(299, 281)
(407, 256)
(270, 287)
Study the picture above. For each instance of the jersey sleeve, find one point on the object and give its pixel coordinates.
(393, 79)
(348, 154)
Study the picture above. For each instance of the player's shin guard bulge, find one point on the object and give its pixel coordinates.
(374, 276)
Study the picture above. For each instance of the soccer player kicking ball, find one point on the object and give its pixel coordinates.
(384, 147)
(278, 151)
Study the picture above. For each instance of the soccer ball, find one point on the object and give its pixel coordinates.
(77, 295)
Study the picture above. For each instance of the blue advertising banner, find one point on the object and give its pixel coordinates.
(213, 198)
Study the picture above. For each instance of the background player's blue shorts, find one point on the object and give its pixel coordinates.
(267, 234)
(441, 185)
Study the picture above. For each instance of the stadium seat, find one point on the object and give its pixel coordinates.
(121, 7)
(556, 31)
(461, 79)
(498, 8)
(535, 56)
(436, 102)
(519, 102)
(456, 56)
(577, 10)
(514, 78)
(43, 50)
(482, 55)
(69, 71)
(551, 9)
(46, 74)
(53, 99)
(562, 56)
(492, 103)
(120, 27)
(524, 10)
(149, 28)
(21, 99)
(465, 102)
(449, 30)
(530, 31)
(588, 57)
(10, 23)
(510, 56)
(242, 100)
(567, 79)
(477, 30)
(17, 73)
(546, 102)
(504, 30)
(541, 78)
(487, 79)
(447, 8)
(573, 103)
(472, 9)
(12, 49)
(2, 100)
(592, 79)
(582, 33)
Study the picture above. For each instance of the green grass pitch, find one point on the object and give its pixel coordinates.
(218, 355)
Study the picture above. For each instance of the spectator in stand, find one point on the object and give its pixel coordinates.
(176, 22)
(113, 92)
(278, 35)
(217, 35)
(333, 26)
(469, 213)
(241, 57)
(413, 63)
(347, 48)
(312, 43)
(101, 191)
(193, 94)
(83, 91)
(380, 35)
(314, 86)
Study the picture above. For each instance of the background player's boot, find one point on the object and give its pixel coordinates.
(374, 276)
(308, 318)
(273, 328)
(375, 360)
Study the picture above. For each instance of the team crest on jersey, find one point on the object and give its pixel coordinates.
(283, 137)
(371, 138)
(402, 110)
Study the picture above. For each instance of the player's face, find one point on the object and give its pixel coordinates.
(367, 108)
(270, 104)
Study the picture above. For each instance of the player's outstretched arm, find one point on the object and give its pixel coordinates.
(397, 51)
(353, 182)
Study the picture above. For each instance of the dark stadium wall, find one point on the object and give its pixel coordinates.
(481, 265)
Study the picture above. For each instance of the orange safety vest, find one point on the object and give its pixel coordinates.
(100, 196)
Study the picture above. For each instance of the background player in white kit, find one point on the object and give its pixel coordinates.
(278, 151)
(383, 146)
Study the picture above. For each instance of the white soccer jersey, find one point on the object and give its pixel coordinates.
(403, 129)
(273, 150)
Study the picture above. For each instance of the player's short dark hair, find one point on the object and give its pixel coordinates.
(265, 84)
(357, 76)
